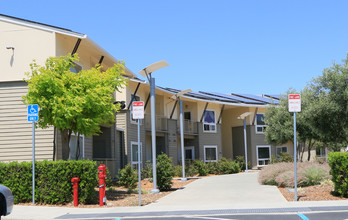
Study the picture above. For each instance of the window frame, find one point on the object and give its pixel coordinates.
(263, 127)
(216, 153)
(210, 124)
(281, 147)
(263, 159)
(82, 154)
(192, 148)
(132, 144)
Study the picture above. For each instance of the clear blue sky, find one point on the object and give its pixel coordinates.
(240, 46)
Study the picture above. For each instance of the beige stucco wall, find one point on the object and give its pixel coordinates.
(29, 44)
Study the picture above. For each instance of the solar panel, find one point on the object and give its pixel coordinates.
(253, 97)
(273, 96)
(233, 98)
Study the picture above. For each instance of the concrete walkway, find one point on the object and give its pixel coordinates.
(222, 192)
(227, 193)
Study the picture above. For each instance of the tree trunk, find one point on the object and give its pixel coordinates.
(303, 150)
(309, 150)
(65, 139)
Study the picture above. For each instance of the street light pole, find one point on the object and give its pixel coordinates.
(177, 96)
(243, 117)
(146, 72)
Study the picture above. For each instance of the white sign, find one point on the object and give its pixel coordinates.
(33, 112)
(294, 102)
(138, 110)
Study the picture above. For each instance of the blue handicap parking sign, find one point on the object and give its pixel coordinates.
(33, 112)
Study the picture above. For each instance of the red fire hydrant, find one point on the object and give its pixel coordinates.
(102, 176)
(75, 182)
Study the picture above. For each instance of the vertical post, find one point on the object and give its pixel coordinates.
(33, 163)
(245, 147)
(182, 141)
(139, 162)
(295, 156)
(153, 134)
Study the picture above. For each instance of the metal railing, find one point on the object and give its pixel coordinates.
(190, 127)
(161, 122)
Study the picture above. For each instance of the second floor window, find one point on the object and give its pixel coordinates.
(136, 99)
(209, 122)
(260, 124)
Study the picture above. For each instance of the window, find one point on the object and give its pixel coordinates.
(260, 124)
(187, 115)
(189, 153)
(135, 152)
(280, 150)
(136, 98)
(76, 68)
(74, 151)
(210, 154)
(209, 122)
(320, 153)
(263, 155)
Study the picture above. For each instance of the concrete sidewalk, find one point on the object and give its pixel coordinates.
(229, 193)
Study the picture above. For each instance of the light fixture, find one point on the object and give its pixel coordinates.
(243, 117)
(146, 72)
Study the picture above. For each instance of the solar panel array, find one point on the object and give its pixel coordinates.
(231, 98)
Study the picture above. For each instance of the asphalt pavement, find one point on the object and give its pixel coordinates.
(215, 195)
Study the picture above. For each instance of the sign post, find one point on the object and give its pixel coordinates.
(138, 113)
(294, 103)
(33, 116)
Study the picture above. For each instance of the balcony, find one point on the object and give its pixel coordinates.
(190, 127)
(161, 123)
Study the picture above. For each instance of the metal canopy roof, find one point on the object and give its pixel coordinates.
(234, 98)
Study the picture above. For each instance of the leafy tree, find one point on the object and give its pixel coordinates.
(328, 109)
(73, 102)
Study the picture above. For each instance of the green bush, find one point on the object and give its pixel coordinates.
(178, 171)
(212, 168)
(200, 167)
(127, 177)
(190, 170)
(146, 172)
(165, 172)
(52, 180)
(241, 162)
(284, 157)
(225, 166)
(338, 162)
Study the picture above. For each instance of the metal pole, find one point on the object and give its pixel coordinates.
(245, 147)
(153, 134)
(33, 163)
(182, 141)
(295, 157)
(139, 162)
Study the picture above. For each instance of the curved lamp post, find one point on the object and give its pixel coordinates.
(177, 97)
(147, 72)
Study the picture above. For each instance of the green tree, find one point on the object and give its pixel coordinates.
(328, 109)
(73, 102)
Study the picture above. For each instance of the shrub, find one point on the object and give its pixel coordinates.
(165, 172)
(146, 172)
(178, 171)
(190, 170)
(339, 170)
(282, 174)
(225, 166)
(200, 167)
(52, 180)
(284, 157)
(127, 177)
(212, 168)
(241, 162)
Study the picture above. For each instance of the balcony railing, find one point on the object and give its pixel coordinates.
(161, 122)
(190, 127)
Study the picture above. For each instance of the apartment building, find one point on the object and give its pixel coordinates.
(212, 129)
